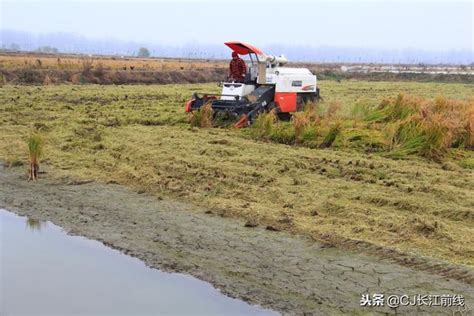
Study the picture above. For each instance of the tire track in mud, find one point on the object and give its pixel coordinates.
(290, 274)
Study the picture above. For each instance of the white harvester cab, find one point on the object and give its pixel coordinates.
(231, 90)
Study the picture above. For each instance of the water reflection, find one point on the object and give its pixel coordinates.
(57, 274)
(34, 224)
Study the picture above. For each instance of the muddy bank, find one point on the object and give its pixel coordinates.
(289, 274)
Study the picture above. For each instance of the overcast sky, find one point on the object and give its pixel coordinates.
(422, 24)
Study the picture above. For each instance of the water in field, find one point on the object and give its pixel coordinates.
(43, 271)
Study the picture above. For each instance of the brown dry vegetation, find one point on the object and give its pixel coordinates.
(78, 62)
(48, 69)
(38, 69)
(139, 136)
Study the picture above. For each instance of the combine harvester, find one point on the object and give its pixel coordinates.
(267, 86)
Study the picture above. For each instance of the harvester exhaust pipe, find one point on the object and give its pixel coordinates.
(274, 60)
(263, 60)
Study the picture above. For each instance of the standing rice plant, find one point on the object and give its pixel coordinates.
(361, 110)
(436, 138)
(330, 137)
(264, 124)
(396, 109)
(202, 117)
(389, 131)
(300, 121)
(469, 136)
(426, 136)
(333, 108)
(469, 127)
(442, 104)
(305, 124)
(309, 136)
(283, 133)
(425, 127)
(403, 106)
(35, 149)
(312, 112)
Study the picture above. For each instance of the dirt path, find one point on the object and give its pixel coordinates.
(289, 274)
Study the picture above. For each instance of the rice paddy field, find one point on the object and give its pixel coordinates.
(383, 180)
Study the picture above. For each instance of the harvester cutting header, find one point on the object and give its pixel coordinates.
(260, 86)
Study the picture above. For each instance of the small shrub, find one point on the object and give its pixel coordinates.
(99, 70)
(76, 78)
(87, 66)
(29, 76)
(47, 81)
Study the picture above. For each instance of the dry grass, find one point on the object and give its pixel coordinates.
(32, 68)
(80, 62)
(41, 69)
(139, 136)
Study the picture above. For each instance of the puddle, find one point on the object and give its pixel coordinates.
(43, 271)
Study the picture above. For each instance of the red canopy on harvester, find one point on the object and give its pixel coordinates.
(243, 48)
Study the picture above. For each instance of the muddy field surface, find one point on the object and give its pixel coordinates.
(292, 275)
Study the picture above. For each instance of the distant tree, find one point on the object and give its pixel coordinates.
(143, 52)
(47, 49)
(14, 47)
